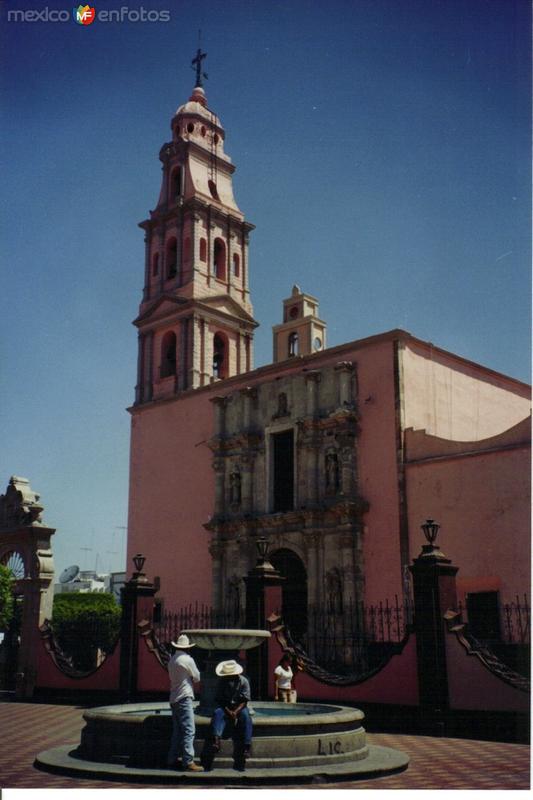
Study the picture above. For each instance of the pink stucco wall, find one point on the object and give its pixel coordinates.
(482, 502)
(472, 686)
(397, 682)
(172, 481)
(105, 678)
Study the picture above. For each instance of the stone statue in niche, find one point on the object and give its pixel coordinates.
(283, 407)
(235, 488)
(332, 472)
(334, 591)
(233, 600)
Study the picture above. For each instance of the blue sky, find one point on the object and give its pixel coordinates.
(382, 150)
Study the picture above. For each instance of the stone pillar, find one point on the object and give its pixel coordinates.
(248, 395)
(220, 404)
(137, 605)
(434, 590)
(195, 353)
(345, 370)
(263, 597)
(146, 289)
(139, 389)
(148, 356)
(312, 379)
(219, 467)
(247, 472)
(216, 550)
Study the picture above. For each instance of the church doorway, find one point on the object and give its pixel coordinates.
(294, 590)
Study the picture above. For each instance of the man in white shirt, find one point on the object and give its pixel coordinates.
(183, 674)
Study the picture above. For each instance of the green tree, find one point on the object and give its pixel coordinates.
(85, 624)
(7, 603)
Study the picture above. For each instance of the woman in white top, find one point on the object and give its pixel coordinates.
(284, 675)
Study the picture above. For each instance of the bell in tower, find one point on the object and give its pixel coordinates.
(195, 320)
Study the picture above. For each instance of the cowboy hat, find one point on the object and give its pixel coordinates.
(183, 643)
(227, 668)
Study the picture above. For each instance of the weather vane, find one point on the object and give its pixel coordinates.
(197, 63)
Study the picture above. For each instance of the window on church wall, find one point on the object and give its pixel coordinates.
(236, 265)
(220, 356)
(155, 265)
(219, 259)
(175, 185)
(168, 354)
(283, 470)
(172, 257)
(203, 250)
(292, 345)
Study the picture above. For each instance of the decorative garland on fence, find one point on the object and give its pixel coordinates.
(62, 661)
(305, 663)
(152, 642)
(475, 648)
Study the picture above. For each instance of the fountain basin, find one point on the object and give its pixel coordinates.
(303, 734)
(226, 638)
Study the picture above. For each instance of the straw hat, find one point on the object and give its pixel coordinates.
(183, 643)
(228, 668)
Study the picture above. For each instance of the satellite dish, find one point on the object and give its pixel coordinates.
(69, 574)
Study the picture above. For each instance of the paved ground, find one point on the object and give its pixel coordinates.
(28, 728)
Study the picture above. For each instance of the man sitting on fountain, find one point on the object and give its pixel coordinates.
(231, 716)
(183, 674)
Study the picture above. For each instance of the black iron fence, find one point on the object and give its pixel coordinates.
(197, 615)
(508, 623)
(356, 637)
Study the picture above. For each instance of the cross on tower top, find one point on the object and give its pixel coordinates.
(197, 63)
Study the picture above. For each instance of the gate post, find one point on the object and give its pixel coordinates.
(263, 597)
(137, 604)
(434, 590)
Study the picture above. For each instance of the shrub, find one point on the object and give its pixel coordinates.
(86, 626)
(7, 603)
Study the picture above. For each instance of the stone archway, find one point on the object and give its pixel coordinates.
(294, 590)
(25, 547)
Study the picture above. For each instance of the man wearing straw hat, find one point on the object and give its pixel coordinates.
(183, 674)
(231, 716)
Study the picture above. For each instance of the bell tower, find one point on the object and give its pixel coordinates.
(195, 320)
(302, 332)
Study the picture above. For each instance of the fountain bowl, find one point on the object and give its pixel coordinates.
(226, 638)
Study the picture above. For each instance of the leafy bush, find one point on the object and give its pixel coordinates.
(86, 626)
(7, 603)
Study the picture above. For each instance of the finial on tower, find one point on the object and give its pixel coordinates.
(197, 63)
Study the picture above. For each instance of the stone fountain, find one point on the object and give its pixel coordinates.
(298, 743)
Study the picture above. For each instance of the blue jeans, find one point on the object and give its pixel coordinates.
(224, 727)
(183, 730)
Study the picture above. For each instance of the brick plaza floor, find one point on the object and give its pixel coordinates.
(436, 763)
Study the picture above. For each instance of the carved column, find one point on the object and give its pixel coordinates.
(247, 468)
(248, 395)
(146, 289)
(195, 353)
(207, 350)
(139, 389)
(346, 542)
(216, 550)
(220, 485)
(312, 379)
(162, 258)
(148, 355)
(345, 371)
(219, 404)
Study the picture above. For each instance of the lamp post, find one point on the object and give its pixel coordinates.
(431, 529)
(434, 591)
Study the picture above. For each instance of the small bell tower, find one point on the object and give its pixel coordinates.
(195, 320)
(302, 332)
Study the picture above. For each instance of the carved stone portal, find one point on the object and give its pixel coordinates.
(25, 547)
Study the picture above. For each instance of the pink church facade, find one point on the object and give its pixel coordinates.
(336, 456)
